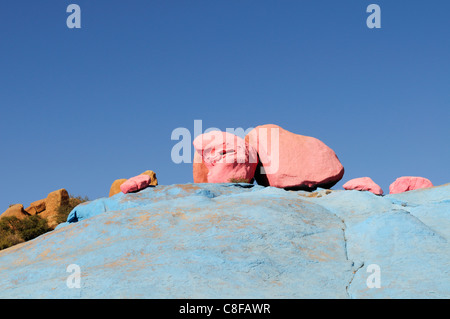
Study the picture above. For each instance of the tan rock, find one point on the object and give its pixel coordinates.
(153, 179)
(36, 207)
(51, 217)
(15, 211)
(115, 187)
(199, 170)
(53, 202)
(57, 199)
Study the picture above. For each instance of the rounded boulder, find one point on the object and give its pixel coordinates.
(135, 184)
(115, 187)
(227, 157)
(289, 160)
(408, 183)
(363, 184)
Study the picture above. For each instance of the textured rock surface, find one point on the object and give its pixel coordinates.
(293, 161)
(53, 202)
(363, 184)
(199, 169)
(15, 211)
(153, 179)
(408, 183)
(115, 186)
(226, 156)
(56, 199)
(240, 241)
(36, 207)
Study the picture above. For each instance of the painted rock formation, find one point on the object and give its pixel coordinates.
(227, 157)
(135, 184)
(240, 241)
(408, 183)
(115, 187)
(289, 160)
(363, 184)
(153, 179)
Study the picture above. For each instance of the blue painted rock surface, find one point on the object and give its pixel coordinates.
(240, 241)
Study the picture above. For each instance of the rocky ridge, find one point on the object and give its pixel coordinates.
(240, 240)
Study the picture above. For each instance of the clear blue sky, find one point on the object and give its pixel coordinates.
(83, 107)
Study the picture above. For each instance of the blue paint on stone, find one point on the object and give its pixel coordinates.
(240, 241)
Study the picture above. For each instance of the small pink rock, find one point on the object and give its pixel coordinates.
(363, 184)
(226, 156)
(135, 184)
(408, 183)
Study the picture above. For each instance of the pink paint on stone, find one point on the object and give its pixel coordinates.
(135, 184)
(226, 157)
(363, 184)
(408, 183)
(290, 160)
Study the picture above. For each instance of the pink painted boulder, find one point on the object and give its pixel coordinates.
(135, 184)
(408, 183)
(363, 184)
(289, 160)
(226, 157)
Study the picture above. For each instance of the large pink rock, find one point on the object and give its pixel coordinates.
(408, 183)
(290, 160)
(227, 157)
(363, 184)
(135, 184)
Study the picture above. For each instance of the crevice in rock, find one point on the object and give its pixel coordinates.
(347, 287)
(345, 239)
(241, 185)
(344, 236)
(351, 280)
